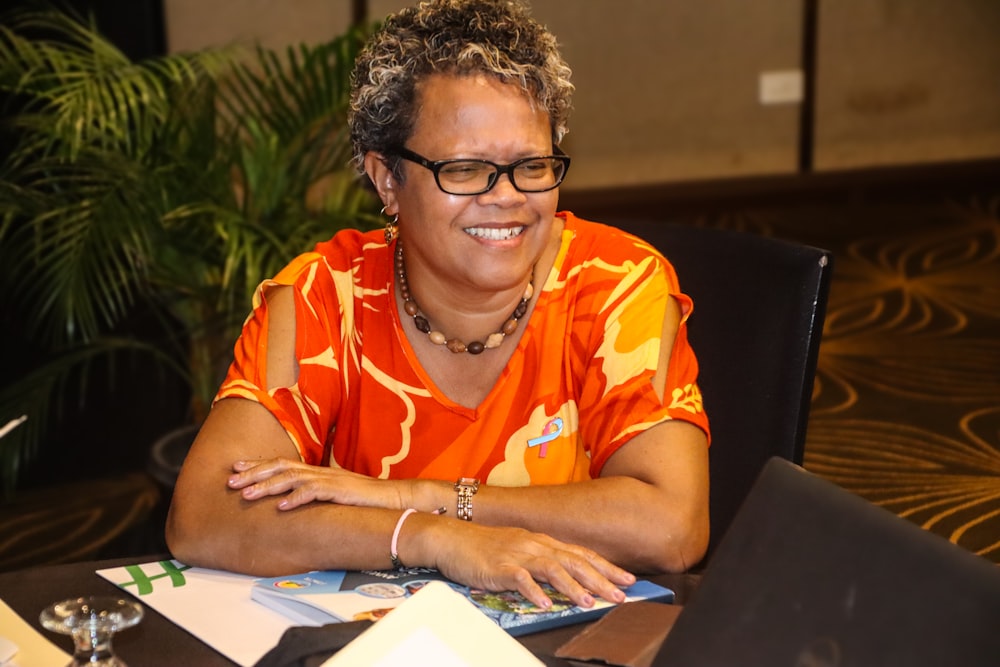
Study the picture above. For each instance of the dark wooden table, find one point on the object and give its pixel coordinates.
(158, 642)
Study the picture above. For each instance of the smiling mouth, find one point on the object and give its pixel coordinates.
(495, 233)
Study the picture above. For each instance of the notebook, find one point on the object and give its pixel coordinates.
(810, 575)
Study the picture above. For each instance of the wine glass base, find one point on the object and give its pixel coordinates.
(92, 622)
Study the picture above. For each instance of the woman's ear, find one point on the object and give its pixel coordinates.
(383, 180)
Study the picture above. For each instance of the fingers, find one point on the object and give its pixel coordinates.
(581, 575)
(526, 585)
(514, 559)
(580, 584)
(252, 472)
(301, 484)
(599, 575)
(256, 479)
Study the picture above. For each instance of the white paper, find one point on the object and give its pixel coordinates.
(423, 647)
(435, 627)
(33, 648)
(212, 605)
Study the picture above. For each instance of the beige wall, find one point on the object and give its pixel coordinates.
(907, 81)
(195, 24)
(669, 90)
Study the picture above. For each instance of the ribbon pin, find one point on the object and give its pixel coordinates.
(551, 431)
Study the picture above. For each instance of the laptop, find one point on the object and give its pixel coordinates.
(811, 575)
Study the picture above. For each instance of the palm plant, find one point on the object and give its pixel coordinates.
(173, 184)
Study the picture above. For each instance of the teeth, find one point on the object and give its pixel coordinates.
(495, 234)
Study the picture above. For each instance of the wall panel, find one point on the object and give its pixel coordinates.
(907, 81)
(194, 24)
(668, 90)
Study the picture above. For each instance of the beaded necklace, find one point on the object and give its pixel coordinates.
(454, 344)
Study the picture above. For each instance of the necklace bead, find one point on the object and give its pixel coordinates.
(454, 344)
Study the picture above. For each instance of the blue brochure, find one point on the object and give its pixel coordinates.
(331, 596)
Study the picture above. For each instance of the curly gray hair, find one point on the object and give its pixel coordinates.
(494, 37)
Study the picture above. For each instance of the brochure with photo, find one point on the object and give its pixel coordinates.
(317, 598)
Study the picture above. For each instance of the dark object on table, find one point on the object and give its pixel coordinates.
(810, 574)
(311, 647)
(628, 636)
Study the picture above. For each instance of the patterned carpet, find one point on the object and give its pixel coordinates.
(64, 523)
(906, 409)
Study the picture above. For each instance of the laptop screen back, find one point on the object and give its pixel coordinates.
(810, 575)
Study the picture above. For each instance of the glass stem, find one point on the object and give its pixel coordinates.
(92, 645)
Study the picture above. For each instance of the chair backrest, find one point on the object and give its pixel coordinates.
(756, 327)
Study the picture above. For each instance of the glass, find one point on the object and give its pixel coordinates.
(474, 177)
(92, 621)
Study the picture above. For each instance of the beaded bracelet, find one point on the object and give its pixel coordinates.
(393, 553)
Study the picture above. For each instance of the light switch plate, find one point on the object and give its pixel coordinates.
(781, 86)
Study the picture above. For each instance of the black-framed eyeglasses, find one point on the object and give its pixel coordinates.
(474, 177)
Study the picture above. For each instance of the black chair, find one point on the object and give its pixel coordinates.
(759, 305)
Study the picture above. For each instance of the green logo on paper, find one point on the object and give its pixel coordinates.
(144, 582)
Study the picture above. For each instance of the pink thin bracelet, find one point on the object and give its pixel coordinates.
(393, 554)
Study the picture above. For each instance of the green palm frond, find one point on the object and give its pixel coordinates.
(87, 90)
(173, 184)
(88, 132)
(75, 263)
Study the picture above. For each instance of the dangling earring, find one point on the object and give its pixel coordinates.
(391, 227)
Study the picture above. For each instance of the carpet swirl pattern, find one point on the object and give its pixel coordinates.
(906, 406)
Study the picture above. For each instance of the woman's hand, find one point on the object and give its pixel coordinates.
(302, 484)
(498, 559)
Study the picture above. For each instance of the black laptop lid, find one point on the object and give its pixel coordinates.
(810, 575)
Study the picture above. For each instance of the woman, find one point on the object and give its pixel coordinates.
(491, 389)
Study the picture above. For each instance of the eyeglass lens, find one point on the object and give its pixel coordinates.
(472, 176)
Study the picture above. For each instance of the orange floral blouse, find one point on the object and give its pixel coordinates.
(577, 387)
